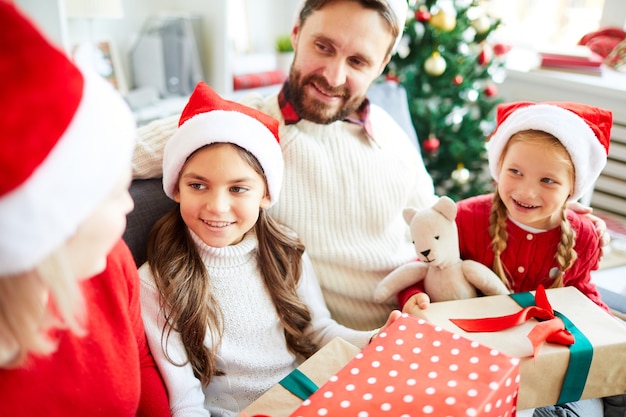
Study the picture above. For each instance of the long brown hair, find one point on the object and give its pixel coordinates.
(565, 255)
(189, 306)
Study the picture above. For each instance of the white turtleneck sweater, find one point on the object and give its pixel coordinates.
(253, 353)
(343, 194)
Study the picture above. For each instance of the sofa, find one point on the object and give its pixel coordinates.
(151, 203)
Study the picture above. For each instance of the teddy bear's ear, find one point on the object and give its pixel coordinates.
(447, 207)
(408, 214)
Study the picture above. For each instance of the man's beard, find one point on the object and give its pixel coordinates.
(310, 109)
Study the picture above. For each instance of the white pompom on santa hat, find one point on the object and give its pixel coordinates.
(67, 136)
(584, 131)
(208, 118)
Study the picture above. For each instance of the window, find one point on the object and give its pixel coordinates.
(237, 13)
(546, 23)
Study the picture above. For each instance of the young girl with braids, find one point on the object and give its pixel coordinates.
(230, 301)
(541, 156)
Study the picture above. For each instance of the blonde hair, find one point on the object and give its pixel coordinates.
(34, 302)
(565, 255)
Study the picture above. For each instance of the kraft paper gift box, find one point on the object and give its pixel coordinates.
(543, 376)
(417, 369)
(280, 402)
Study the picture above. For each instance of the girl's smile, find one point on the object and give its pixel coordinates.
(534, 185)
(220, 195)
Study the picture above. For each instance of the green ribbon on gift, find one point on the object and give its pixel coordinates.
(299, 384)
(581, 353)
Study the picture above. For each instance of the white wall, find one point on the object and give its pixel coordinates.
(47, 14)
(614, 14)
(268, 18)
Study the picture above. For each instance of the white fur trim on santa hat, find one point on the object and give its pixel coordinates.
(224, 126)
(587, 153)
(77, 175)
(400, 8)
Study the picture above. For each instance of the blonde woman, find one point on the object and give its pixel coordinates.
(72, 342)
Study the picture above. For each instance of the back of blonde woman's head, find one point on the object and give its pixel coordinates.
(67, 137)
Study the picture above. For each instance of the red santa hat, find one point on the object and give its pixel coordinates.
(208, 118)
(67, 136)
(584, 130)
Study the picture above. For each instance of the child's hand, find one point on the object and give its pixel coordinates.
(419, 301)
(393, 316)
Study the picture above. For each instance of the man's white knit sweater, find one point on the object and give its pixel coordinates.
(343, 194)
(253, 353)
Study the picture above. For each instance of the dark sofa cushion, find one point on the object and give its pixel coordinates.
(151, 204)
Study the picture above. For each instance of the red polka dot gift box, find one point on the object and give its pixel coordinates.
(569, 347)
(417, 369)
(283, 398)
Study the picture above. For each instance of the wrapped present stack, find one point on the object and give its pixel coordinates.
(417, 369)
(594, 366)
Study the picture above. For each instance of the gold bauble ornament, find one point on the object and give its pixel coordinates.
(482, 24)
(435, 65)
(443, 21)
(460, 175)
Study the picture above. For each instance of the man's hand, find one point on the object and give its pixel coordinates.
(419, 301)
(601, 230)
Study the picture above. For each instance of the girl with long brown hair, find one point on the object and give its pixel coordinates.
(230, 301)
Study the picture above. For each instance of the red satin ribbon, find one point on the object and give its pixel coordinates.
(549, 329)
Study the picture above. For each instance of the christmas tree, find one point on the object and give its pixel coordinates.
(449, 65)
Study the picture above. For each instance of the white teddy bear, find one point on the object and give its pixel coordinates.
(445, 275)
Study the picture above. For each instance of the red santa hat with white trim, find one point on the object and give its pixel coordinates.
(584, 130)
(67, 137)
(208, 118)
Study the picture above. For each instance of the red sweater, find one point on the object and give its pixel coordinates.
(528, 257)
(109, 372)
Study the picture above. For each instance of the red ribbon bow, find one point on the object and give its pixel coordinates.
(549, 329)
